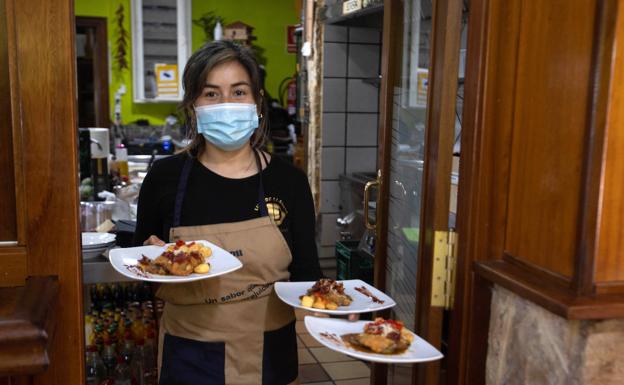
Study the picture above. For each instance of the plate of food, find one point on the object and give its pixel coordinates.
(175, 262)
(333, 297)
(385, 341)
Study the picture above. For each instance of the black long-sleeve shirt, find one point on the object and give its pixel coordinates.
(211, 199)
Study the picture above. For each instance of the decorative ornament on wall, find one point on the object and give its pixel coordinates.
(121, 41)
(242, 33)
(207, 23)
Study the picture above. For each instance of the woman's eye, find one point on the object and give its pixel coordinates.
(239, 93)
(211, 94)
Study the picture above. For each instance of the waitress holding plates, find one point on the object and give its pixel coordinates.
(230, 329)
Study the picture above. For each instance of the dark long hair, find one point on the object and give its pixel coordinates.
(196, 72)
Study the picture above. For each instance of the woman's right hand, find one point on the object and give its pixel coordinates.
(154, 240)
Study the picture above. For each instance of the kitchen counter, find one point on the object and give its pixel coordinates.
(99, 270)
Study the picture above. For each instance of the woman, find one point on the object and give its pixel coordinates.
(231, 329)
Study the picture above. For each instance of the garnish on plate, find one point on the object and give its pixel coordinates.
(326, 294)
(381, 336)
(179, 259)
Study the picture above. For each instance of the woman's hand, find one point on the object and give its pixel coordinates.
(154, 240)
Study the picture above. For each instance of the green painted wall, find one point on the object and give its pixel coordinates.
(268, 17)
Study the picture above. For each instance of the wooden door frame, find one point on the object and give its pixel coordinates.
(481, 179)
(439, 140)
(390, 70)
(100, 67)
(471, 315)
(42, 75)
(439, 137)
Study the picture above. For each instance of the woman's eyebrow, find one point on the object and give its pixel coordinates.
(208, 85)
(243, 83)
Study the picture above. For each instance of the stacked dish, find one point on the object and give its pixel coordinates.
(385, 341)
(94, 244)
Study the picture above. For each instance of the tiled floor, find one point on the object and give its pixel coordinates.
(321, 366)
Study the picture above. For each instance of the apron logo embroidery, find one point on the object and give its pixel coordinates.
(276, 209)
(252, 292)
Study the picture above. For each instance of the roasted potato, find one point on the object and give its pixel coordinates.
(202, 268)
(307, 301)
(319, 303)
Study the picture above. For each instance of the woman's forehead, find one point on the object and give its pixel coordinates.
(228, 73)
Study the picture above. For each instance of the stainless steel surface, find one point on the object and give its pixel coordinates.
(100, 271)
(93, 214)
(8, 243)
(352, 203)
(368, 203)
(144, 158)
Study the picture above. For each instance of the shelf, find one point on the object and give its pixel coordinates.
(371, 16)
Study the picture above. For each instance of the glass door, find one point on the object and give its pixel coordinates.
(418, 101)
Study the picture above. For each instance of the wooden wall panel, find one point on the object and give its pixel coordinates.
(610, 255)
(8, 221)
(13, 270)
(500, 84)
(45, 80)
(552, 99)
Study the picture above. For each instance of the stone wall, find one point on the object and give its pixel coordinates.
(528, 345)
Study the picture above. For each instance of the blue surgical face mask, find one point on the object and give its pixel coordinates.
(227, 125)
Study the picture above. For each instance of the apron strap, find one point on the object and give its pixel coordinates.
(261, 202)
(181, 192)
(186, 171)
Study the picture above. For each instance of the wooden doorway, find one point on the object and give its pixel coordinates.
(92, 72)
(42, 238)
(418, 131)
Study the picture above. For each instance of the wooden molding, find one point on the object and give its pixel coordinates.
(13, 266)
(550, 295)
(8, 219)
(545, 274)
(592, 181)
(611, 287)
(26, 332)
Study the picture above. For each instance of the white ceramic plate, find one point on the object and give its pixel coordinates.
(100, 246)
(289, 292)
(327, 331)
(91, 239)
(94, 253)
(221, 262)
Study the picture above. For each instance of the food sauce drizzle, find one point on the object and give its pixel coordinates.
(136, 270)
(331, 337)
(367, 293)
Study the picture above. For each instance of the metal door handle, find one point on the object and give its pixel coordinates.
(366, 195)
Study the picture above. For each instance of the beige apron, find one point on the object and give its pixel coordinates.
(236, 308)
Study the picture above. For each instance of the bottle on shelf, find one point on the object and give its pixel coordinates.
(109, 357)
(128, 348)
(150, 371)
(95, 369)
(121, 156)
(138, 363)
(123, 373)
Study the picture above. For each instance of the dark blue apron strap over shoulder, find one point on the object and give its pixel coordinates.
(181, 192)
(261, 202)
(186, 171)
